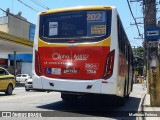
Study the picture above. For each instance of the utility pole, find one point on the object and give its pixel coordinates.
(151, 50)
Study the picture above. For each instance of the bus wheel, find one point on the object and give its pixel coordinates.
(69, 97)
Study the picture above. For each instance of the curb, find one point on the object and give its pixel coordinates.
(141, 107)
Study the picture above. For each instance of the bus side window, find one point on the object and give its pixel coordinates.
(119, 34)
(126, 49)
(124, 43)
(121, 37)
(129, 53)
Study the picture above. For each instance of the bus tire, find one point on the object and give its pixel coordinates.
(69, 98)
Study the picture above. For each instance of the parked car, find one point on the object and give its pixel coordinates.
(22, 77)
(29, 85)
(7, 81)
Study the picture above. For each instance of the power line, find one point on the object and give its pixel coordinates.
(40, 4)
(27, 5)
(134, 18)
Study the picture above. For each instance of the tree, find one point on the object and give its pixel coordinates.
(139, 59)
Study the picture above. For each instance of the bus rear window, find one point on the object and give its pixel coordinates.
(79, 24)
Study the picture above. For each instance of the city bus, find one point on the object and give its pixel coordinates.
(82, 51)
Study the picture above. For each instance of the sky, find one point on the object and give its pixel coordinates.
(31, 13)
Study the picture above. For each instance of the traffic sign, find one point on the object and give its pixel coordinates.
(152, 33)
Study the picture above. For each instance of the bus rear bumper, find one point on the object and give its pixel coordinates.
(77, 86)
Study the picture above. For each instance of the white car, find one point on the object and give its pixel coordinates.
(22, 77)
(28, 85)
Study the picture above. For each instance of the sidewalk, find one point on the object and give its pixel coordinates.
(149, 112)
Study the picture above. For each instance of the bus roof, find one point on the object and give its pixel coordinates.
(77, 9)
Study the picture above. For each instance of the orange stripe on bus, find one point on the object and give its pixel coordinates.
(105, 42)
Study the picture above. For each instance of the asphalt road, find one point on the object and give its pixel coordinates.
(51, 106)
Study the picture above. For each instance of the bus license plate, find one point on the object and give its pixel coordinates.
(73, 71)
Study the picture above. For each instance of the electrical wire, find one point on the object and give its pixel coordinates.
(27, 6)
(40, 4)
(134, 18)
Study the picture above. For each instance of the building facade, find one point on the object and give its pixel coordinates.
(18, 26)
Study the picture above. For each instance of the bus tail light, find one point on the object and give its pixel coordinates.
(37, 63)
(109, 65)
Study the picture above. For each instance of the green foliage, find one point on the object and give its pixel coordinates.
(139, 59)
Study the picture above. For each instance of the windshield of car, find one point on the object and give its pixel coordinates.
(3, 72)
(18, 76)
